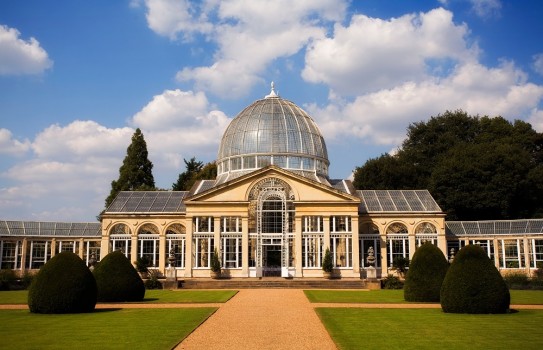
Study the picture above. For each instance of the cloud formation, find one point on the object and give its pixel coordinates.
(18, 56)
(249, 36)
(10, 146)
(180, 124)
(371, 53)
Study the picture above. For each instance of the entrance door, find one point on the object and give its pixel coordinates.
(272, 261)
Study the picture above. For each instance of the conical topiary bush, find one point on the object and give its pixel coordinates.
(63, 285)
(473, 285)
(117, 279)
(425, 275)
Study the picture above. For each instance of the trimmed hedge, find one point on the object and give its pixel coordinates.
(63, 285)
(117, 279)
(473, 285)
(425, 275)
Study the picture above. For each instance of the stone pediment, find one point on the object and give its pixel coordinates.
(303, 189)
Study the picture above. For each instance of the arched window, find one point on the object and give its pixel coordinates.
(425, 232)
(397, 242)
(175, 244)
(271, 210)
(119, 239)
(148, 244)
(369, 240)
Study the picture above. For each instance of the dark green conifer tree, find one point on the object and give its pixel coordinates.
(136, 172)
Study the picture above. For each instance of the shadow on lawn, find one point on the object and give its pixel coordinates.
(107, 310)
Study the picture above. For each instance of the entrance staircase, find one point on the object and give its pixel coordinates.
(275, 282)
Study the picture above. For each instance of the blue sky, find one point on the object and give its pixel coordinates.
(77, 77)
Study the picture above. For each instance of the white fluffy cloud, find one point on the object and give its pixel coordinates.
(486, 8)
(383, 116)
(18, 56)
(80, 139)
(74, 164)
(371, 54)
(538, 63)
(180, 124)
(11, 146)
(171, 17)
(249, 36)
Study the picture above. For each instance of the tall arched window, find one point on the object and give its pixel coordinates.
(176, 241)
(273, 213)
(369, 238)
(426, 232)
(148, 244)
(119, 239)
(397, 242)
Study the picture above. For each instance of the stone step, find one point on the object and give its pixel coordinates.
(204, 283)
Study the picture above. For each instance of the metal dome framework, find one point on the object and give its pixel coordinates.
(272, 131)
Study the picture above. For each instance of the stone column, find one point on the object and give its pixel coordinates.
(104, 246)
(326, 224)
(245, 247)
(24, 250)
(188, 246)
(497, 251)
(356, 245)
(527, 256)
(134, 248)
(384, 256)
(53, 248)
(217, 236)
(298, 245)
(82, 249)
(162, 255)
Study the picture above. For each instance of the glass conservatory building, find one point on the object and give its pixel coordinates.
(271, 211)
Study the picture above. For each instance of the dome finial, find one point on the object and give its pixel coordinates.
(272, 93)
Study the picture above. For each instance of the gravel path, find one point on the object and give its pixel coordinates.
(262, 319)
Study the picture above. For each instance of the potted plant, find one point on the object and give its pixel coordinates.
(142, 266)
(215, 265)
(327, 264)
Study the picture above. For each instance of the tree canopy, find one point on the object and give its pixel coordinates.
(135, 174)
(195, 170)
(476, 167)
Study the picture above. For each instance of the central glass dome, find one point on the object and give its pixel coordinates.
(272, 131)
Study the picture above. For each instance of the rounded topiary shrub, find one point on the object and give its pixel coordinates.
(63, 285)
(425, 275)
(473, 285)
(117, 279)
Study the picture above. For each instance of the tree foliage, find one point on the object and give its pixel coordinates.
(426, 273)
(476, 167)
(473, 285)
(136, 172)
(63, 285)
(195, 170)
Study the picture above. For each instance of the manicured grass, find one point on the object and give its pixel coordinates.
(151, 296)
(188, 296)
(14, 297)
(396, 296)
(355, 328)
(355, 296)
(527, 297)
(102, 329)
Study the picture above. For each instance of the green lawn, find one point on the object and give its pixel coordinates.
(396, 296)
(355, 328)
(151, 296)
(102, 329)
